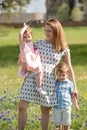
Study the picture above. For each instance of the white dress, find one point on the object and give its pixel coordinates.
(49, 58)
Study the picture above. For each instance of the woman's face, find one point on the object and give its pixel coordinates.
(48, 33)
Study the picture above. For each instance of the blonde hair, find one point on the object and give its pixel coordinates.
(62, 68)
(28, 31)
(60, 43)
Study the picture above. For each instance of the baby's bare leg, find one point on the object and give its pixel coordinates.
(66, 127)
(39, 77)
(39, 87)
(24, 68)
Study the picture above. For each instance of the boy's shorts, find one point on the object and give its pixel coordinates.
(62, 117)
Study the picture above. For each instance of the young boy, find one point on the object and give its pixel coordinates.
(64, 92)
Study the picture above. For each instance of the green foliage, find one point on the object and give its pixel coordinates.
(63, 12)
(10, 6)
(77, 14)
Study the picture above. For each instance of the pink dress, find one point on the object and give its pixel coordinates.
(29, 56)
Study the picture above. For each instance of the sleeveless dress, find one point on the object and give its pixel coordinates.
(49, 58)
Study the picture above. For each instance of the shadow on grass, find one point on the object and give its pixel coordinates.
(78, 54)
(9, 54)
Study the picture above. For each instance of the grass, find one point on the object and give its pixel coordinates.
(10, 83)
(76, 35)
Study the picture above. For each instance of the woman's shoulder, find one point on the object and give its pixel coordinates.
(39, 41)
(66, 51)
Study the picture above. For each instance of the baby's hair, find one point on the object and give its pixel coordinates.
(62, 67)
(28, 30)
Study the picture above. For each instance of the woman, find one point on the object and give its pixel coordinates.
(52, 50)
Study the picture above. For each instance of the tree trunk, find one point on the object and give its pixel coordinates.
(51, 8)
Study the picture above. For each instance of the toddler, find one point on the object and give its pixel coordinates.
(29, 57)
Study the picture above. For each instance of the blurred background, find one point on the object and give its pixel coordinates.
(35, 12)
(13, 13)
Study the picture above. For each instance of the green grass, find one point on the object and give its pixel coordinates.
(76, 35)
(10, 83)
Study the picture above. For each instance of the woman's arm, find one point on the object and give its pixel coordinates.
(75, 102)
(67, 60)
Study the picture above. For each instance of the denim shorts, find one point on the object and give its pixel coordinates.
(62, 116)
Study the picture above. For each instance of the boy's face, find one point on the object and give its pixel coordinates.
(27, 37)
(62, 76)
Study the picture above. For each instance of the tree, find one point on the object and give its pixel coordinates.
(71, 5)
(10, 6)
(51, 7)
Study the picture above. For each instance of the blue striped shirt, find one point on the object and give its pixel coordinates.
(63, 93)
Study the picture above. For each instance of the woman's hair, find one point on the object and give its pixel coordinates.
(62, 68)
(60, 43)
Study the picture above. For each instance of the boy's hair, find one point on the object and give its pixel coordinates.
(62, 68)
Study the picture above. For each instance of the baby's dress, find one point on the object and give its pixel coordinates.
(30, 57)
(49, 58)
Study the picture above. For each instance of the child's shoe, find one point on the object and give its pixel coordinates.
(40, 90)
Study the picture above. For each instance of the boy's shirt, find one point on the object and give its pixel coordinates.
(63, 92)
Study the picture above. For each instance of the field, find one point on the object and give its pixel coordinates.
(10, 83)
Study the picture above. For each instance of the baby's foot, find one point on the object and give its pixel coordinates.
(21, 74)
(26, 74)
(41, 90)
